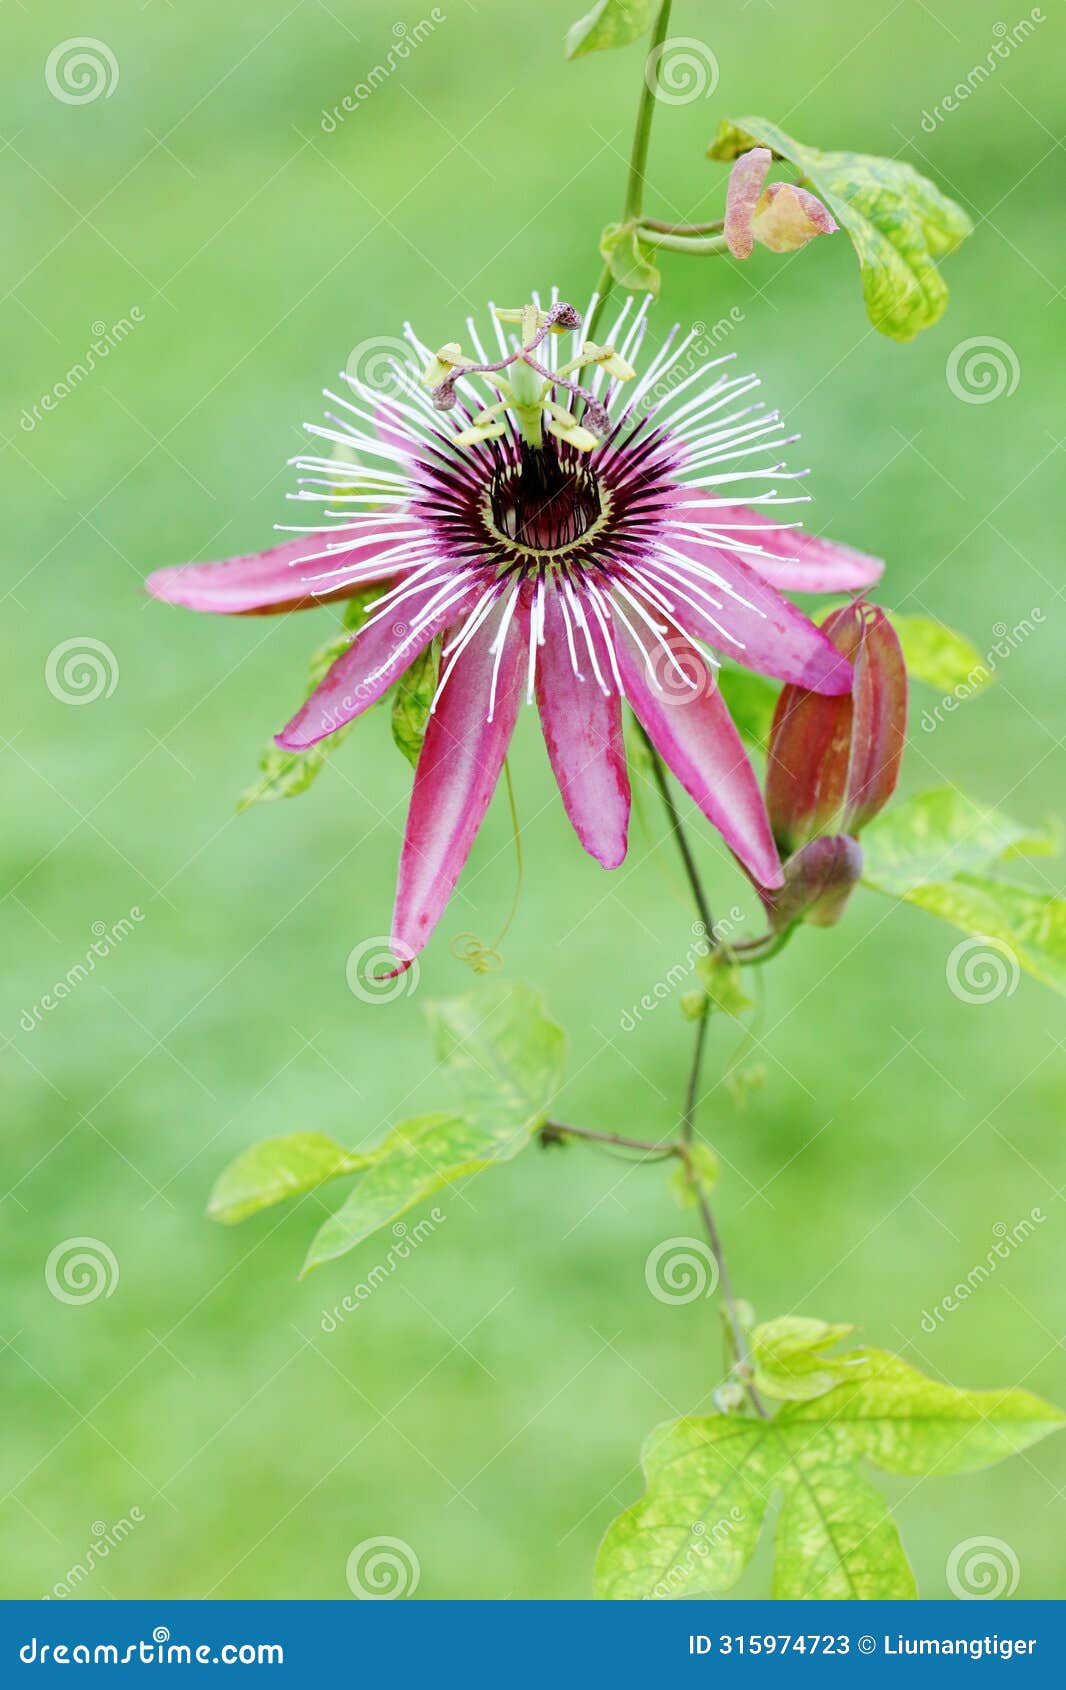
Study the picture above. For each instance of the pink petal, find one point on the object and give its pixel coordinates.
(379, 653)
(458, 768)
(696, 737)
(292, 576)
(819, 566)
(775, 638)
(742, 195)
(583, 733)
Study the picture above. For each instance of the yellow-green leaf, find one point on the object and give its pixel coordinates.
(610, 23)
(790, 1361)
(751, 700)
(411, 699)
(418, 1158)
(722, 981)
(935, 836)
(285, 774)
(938, 655)
(710, 1480)
(1013, 927)
(630, 260)
(504, 1059)
(278, 1168)
(899, 223)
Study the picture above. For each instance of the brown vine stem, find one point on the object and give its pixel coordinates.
(737, 1335)
(677, 827)
(553, 1131)
(687, 1128)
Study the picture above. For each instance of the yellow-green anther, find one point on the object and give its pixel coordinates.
(560, 413)
(481, 431)
(582, 439)
(450, 357)
(609, 360)
(530, 319)
(486, 416)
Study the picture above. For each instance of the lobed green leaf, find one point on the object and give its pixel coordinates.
(936, 851)
(906, 1423)
(1026, 925)
(935, 836)
(709, 1481)
(504, 1056)
(898, 222)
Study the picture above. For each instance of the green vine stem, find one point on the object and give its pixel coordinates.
(638, 159)
(656, 227)
(707, 247)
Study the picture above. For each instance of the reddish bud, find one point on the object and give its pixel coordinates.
(833, 763)
(819, 880)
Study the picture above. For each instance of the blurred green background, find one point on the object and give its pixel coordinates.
(487, 1404)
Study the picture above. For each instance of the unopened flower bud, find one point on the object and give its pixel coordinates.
(819, 880)
(782, 217)
(787, 217)
(728, 1398)
(833, 762)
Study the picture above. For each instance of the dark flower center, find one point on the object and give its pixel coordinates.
(543, 503)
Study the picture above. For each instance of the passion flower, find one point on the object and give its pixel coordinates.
(567, 531)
